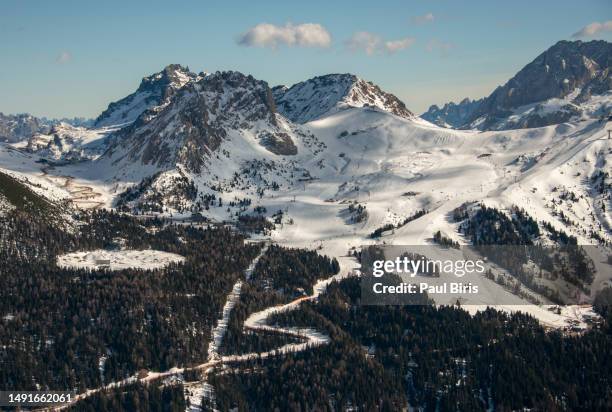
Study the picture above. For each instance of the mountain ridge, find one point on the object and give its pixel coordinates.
(322, 95)
(153, 91)
(551, 89)
(198, 117)
(451, 115)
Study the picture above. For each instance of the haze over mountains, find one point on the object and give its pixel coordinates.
(19, 127)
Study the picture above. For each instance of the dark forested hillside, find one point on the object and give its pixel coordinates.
(513, 241)
(77, 329)
(445, 359)
(135, 397)
(293, 271)
(335, 377)
(70, 328)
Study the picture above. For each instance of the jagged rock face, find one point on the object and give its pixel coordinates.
(451, 115)
(311, 99)
(192, 125)
(601, 84)
(278, 143)
(556, 73)
(15, 128)
(153, 91)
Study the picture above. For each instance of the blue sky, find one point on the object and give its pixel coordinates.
(71, 58)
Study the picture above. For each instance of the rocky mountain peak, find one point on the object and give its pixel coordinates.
(198, 118)
(555, 73)
(321, 95)
(234, 92)
(172, 77)
(154, 90)
(549, 90)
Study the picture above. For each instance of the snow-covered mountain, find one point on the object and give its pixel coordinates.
(219, 130)
(18, 127)
(198, 118)
(331, 160)
(452, 115)
(64, 142)
(154, 90)
(325, 95)
(79, 139)
(569, 81)
(227, 130)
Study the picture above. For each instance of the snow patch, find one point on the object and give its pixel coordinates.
(147, 259)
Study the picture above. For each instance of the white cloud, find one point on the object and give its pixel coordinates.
(594, 28)
(362, 40)
(63, 57)
(424, 19)
(372, 43)
(270, 35)
(397, 45)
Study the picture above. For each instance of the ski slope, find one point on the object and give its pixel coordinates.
(388, 164)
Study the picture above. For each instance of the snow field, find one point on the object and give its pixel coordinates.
(119, 259)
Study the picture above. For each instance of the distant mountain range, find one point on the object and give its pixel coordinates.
(14, 128)
(570, 80)
(452, 115)
(19, 127)
(211, 127)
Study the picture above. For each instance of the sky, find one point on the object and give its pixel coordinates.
(71, 58)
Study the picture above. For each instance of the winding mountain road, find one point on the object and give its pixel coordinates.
(81, 195)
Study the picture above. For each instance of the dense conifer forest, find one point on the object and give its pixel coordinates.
(77, 329)
(281, 275)
(135, 397)
(437, 358)
(517, 240)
